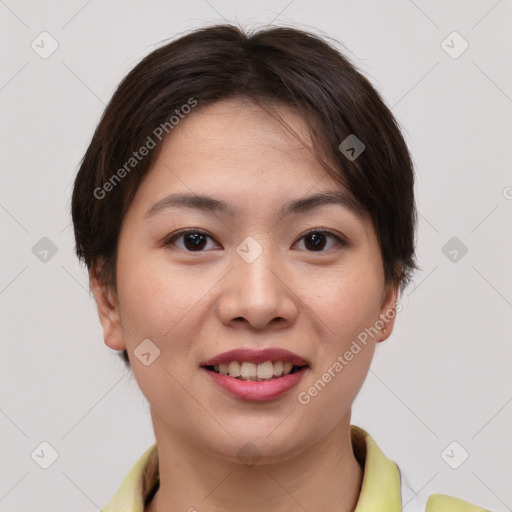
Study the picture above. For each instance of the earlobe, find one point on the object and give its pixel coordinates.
(388, 313)
(108, 312)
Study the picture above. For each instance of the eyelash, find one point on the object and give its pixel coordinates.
(340, 241)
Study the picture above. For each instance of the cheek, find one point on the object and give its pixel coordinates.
(347, 307)
(345, 350)
(349, 304)
(155, 299)
(158, 305)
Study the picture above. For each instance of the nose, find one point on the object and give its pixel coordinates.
(258, 293)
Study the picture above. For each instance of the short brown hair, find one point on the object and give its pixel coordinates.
(277, 65)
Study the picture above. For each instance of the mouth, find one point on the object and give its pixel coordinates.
(256, 375)
(262, 372)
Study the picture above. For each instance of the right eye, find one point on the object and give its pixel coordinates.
(194, 240)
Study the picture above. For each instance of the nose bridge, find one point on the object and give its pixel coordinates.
(253, 263)
(256, 292)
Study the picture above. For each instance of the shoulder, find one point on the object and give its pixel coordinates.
(443, 503)
(385, 487)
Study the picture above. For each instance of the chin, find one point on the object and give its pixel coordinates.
(258, 446)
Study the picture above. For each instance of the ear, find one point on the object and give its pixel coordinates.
(388, 311)
(108, 312)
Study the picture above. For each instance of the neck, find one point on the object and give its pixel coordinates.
(325, 477)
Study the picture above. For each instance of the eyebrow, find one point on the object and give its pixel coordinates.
(296, 206)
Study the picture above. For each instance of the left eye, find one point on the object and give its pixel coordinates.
(315, 241)
(197, 240)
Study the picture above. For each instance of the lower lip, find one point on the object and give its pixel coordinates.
(257, 391)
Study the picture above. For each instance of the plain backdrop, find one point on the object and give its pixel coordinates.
(443, 377)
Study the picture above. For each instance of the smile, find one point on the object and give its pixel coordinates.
(256, 375)
(269, 370)
(252, 388)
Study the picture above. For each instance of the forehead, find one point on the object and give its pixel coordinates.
(230, 129)
(233, 149)
(239, 137)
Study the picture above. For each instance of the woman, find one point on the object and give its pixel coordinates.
(246, 213)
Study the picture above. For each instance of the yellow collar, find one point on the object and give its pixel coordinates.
(381, 479)
(380, 489)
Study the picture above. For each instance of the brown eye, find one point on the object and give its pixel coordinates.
(317, 240)
(193, 240)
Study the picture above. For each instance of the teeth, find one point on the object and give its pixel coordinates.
(256, 372)
(248, 371)
(234, 369)
(265, 370)
(278, 368)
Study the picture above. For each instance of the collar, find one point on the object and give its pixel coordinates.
(381, 479)
(380, 489)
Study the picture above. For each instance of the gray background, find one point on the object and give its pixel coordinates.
(443, 376)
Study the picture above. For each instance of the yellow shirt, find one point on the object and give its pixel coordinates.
(382, 489)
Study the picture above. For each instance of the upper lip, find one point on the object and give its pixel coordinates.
(256, 356)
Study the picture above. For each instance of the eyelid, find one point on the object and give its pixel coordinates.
(326, 231)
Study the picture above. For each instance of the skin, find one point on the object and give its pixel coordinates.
(194, 305)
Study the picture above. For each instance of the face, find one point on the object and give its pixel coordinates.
(200, 281)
